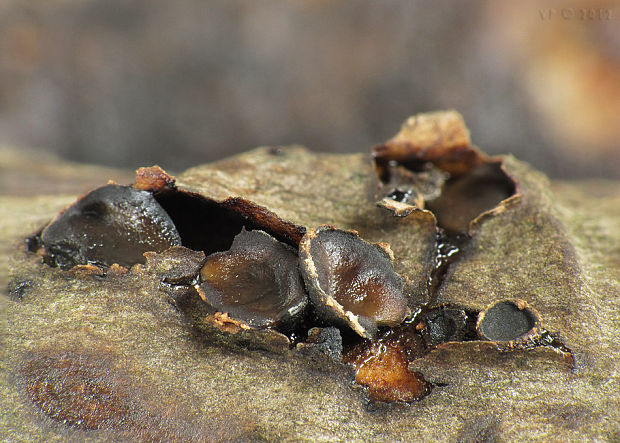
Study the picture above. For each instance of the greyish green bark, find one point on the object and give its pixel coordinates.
(558, 248)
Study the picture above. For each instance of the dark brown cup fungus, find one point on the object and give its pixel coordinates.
(352, 282)
(256, 281)
(508, 321)
(112, 224)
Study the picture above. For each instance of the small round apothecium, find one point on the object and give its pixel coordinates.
(514, 322)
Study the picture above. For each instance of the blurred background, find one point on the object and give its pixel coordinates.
(178, 83)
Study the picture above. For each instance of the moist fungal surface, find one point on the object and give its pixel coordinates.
(112, 224)
(357, 275)
(256, 281)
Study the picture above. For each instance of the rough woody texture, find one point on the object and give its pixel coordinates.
(98, 358)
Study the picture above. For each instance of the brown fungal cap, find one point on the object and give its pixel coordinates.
(112, 224)
(257, 281)
(351, 281)
(507, 321)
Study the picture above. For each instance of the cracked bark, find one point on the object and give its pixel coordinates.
(556, 247)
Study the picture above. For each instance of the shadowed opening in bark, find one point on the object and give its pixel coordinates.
(203, 225)
(457, 185)
(454, 199)
(210, 226)
(465, 197)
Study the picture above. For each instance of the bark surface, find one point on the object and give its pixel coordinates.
(96, 358)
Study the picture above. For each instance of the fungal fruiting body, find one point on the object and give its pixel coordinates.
(512, 322)
(112, 224)
(256, 281)
(352, 282)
